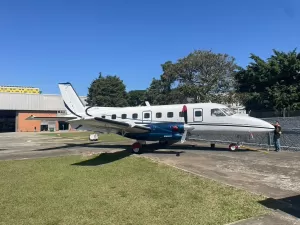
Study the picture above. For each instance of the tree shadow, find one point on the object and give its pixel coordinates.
(289, 205)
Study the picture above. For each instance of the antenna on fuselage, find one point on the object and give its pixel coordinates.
(147, 103)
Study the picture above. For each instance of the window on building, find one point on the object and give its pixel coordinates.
(114, 116)
(170, 114)
(134, 116)
(158, 115)
(198, 113)
(124, 116)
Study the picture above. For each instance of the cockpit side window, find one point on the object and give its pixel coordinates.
(217, 112)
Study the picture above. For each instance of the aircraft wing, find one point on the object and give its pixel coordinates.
(129, 127)
(59, 118)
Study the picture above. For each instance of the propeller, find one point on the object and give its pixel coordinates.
(184, 111)
(186, 126)
(183, 136)
(186, 129)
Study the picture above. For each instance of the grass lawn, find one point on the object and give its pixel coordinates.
(85, 136)
(102, 190)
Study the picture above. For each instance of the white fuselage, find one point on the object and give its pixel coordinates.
(204, 117)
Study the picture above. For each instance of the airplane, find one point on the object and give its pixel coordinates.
(167, 124)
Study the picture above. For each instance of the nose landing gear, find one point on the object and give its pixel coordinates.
(234, 147)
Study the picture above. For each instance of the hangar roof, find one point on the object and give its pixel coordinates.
(39, 102)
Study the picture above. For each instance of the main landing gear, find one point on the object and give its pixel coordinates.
(137, 147)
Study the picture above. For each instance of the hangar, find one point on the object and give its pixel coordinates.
(16, 106)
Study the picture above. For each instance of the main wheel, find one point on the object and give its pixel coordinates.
(136, 147)
(233, 147)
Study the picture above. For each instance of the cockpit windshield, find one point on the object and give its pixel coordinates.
(228, 111)
(222, 112)
(217, 112)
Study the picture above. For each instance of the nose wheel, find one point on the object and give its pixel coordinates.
(233, 147)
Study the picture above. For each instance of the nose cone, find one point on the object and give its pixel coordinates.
(254, 125)
(261, 125)
(270, 126)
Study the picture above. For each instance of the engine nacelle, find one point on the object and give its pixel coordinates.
(161, 131)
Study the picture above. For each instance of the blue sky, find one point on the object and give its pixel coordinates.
(43, 43)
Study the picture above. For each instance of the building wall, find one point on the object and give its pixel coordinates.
(24, 125)
(33, 102)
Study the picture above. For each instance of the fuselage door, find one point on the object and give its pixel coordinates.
(147, 116)
(198, 115)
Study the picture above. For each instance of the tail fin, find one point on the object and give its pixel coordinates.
(71, 100)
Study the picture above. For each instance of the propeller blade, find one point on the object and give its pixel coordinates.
(186, 129)
(184, 136)
(184, 111)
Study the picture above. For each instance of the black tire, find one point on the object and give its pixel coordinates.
(136, 148)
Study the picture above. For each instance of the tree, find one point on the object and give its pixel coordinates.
(136, 97)
(160, 93)
(273, 84)
(154, 93)
(203, 75)
(107, 91)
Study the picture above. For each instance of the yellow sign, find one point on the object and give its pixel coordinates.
(24, 90)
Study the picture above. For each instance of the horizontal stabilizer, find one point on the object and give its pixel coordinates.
(59, 118)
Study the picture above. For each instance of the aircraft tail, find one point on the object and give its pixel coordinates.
(71, 100)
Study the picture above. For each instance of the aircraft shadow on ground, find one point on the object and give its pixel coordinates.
(104, 158)
(70, 145)
(146, 149)
(109, 157)
(289, 205)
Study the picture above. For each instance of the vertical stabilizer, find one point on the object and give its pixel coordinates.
(71, 100)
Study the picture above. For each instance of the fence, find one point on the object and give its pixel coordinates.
(271, 114)
(290, 138)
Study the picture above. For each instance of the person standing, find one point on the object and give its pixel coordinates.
(277, 133)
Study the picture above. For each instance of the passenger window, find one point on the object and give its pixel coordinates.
(217, 112)
(170, 114)
(113, 116)
(158, 115)
(124, 116)
(134, 115)
(198, 113)
(147, 115)
(180, 114)
(103, 117)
